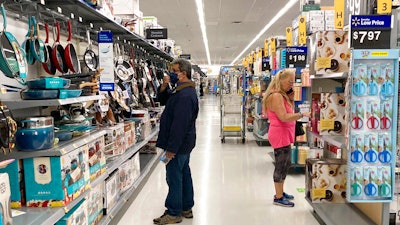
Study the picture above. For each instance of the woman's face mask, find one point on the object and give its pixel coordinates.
(173, 77)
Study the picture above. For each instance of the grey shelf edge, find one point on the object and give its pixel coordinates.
(330, 76)
(88, 13)
(113, 165)
(57, 150)
(340, 213)
(22, 104)
(127, 194)
(49, 216)
(338, 141)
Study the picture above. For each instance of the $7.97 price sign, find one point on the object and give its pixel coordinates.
(370, 31)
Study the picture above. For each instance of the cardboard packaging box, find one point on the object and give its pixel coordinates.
(135, 163)
(332, 54)
(56, 181)
(111, 191)
(326, 180)
(129, 129)
(125, 176)
(97, 158)
(5, 194)
(78, 215)
(114, 140)
(16, 174)
(95, 204)
(332, 114)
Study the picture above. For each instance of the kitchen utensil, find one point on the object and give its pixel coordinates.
(385, 156)
(12, 57)
(356, 155)
(372, 86)
(359, 88)
(89, 57)
(385, 121)
(48, 64)
(371, 188)
(373, 121)
(370, 155)
(48, 83)
(356, 187)
(37, 45)
(35, 133)
(63, 135)
(26, 44)
(357, 121)
(387, 90)
(58, 53)
(32, 94)
(71, 58)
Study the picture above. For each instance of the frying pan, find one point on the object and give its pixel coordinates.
(37, 45)
(48, 64)
(90, 58)
(12, 57)
(70, 55)
(26, 45)
(58, 53)
(122, 69)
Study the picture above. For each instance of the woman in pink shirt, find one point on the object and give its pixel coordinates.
(278, 103)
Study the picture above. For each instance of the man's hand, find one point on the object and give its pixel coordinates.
(166, 81)
(169, 155)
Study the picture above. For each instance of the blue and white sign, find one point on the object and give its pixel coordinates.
(106, 60)
(296, 56)
(371, 21)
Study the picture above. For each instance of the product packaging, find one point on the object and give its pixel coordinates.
(16, 174)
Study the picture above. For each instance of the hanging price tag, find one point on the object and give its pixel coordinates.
(370, 30)
(296, 57)
(339, 14)
(302, 30)
(289, 37)
(384, 6)
(266, 46)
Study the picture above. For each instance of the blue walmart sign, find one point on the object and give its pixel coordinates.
(371, 21)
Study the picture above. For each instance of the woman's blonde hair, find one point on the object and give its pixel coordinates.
(275, 86)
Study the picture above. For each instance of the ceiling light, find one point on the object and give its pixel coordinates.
(237, 22)
(200, 13)
(288, 5)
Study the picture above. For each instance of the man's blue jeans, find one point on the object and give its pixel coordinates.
(179, 180)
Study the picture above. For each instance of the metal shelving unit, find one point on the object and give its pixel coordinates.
(338, 141)
(22, 104)
(337, 214)
(58, 150)
(49, 216)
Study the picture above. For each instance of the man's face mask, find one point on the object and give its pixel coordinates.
(173, 77)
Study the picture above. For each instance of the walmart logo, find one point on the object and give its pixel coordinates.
(355, 21)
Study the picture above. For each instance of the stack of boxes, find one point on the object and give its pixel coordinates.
(16, 174)
(5, 194)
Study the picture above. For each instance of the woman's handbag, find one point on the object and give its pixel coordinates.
(299, 130)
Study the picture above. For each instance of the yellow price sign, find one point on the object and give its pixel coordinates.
(272, 45)
(384, 6)
(302, 30)
(327, 124)
(339, 14)
(289, 36)
(259, 55)
(323, 62)
(318, 193)
(266, 46)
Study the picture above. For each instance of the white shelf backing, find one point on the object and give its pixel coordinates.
(58, 150)
(22, 104)
(127, 194)
(340, 213)
(114, 164)
(338, 141)
(330, 76)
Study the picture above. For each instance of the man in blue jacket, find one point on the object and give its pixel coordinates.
(177, 137)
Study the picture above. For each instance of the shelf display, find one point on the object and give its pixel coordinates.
(372, 142)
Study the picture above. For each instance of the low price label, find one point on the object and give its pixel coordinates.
(371, 30)
(296, 56)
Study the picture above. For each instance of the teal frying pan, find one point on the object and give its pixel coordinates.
(37, 45)
(26, 45)
(12, 57)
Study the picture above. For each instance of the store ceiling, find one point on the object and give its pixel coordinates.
(231, 25)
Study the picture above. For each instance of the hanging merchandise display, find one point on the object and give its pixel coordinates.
(106, 60)
(372, 139)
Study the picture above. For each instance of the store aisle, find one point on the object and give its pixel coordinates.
(233, 182)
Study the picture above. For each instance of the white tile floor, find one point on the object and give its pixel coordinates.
(233, 183)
